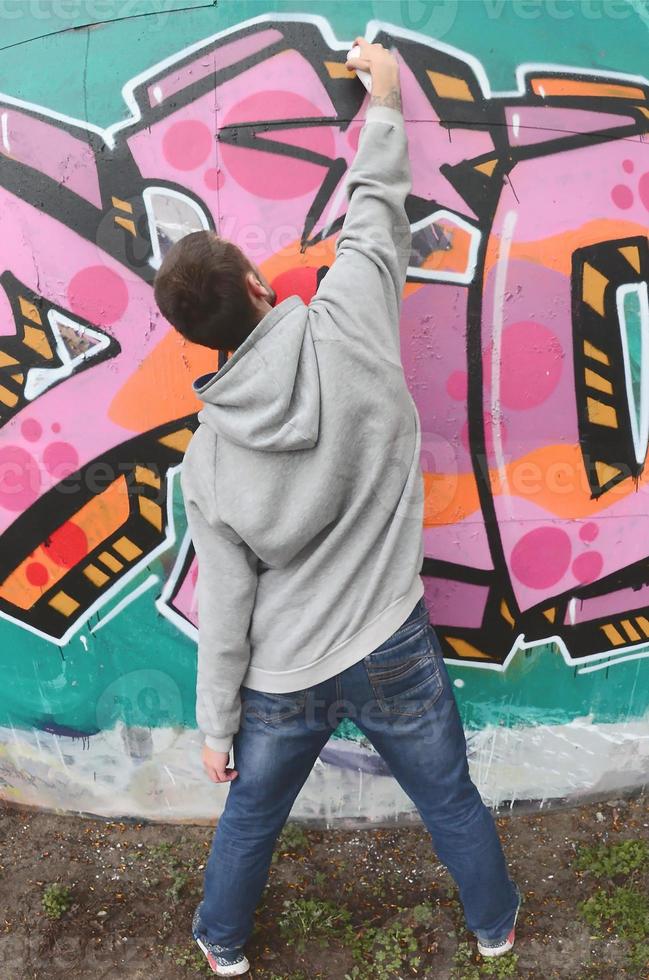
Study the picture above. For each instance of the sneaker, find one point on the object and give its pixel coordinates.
(486, 948)
(500, 946)
(223, 962)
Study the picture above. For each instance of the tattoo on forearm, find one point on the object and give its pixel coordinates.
(392, 99)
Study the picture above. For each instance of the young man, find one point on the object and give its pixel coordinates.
(304, 499)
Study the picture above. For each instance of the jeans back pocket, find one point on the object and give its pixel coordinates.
(406, 678)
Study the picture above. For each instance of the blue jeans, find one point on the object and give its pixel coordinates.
(401, 698)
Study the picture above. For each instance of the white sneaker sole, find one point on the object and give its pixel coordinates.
(492, 951)
(225, 971)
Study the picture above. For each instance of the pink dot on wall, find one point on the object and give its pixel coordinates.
(60, 459)
(31, 430)
(284, 176)
(541, 557)
(643, 189)
(98, 294)
(187, 144)
(589, 531)
(56, 427)
(531, 365)
(628, 166)
(20, 478)
(587, 567)
(457, 385)
(36, 573)
(622, 196)
(214, 179)
(67, 545)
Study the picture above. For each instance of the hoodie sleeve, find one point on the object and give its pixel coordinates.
(227, 584)
(360, 296)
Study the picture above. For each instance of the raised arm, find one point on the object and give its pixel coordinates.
(359, 297)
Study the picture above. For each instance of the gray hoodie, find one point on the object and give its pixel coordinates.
(302, 484)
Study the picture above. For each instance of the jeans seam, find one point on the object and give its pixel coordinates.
(371, 683)
(396, 672)
(279, 716)
(423, 707)
(413, 622)
(402, 640)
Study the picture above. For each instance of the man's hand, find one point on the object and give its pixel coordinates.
(384, 69)
(215, 765)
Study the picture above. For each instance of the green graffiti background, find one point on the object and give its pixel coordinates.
(74, 58)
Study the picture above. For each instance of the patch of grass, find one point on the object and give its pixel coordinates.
(384, 952)
(620, 906)
(639, 959)
(164, 853)
(310, 918)
(422, 914)
(171, 865)
(464, 965)
(178, 882)
(56, 900)
(189, 957)
(379, 952)
(292, 840)
(623, 910)
(609, 860)
(500, 966)
(149, 882)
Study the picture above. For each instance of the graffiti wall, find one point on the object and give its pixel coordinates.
(525, 342)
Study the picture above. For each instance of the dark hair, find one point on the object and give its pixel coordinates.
(200, 289)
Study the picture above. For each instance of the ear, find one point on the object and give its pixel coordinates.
(255, 286)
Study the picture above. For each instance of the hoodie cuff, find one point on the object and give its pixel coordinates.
(219, 744)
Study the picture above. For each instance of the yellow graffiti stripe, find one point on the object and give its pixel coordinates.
(450, 87)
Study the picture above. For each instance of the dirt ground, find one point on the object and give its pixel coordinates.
(340, 904)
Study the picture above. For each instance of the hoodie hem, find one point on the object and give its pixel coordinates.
(340, 657)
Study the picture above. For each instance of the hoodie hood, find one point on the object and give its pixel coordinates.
(267, 395)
